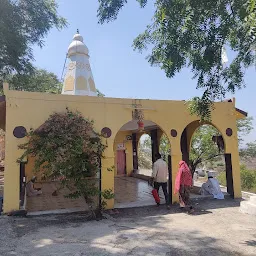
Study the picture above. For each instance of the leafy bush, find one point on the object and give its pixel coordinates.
(222, 178)
(248, 179)
(66, 148)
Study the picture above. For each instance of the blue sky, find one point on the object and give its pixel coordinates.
(118, 70)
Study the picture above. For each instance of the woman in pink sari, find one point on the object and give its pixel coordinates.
(183, 184)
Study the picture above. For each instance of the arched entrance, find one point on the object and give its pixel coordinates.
(131, 183)
(203, 147)
(145, 155)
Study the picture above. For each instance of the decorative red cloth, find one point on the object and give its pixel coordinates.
(184, 177)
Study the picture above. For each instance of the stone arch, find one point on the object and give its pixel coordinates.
(129, 134)
(220, 140)
(192, 127)
(150, 127)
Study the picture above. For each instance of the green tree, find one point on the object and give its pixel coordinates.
(244, 127)
(249, 151)
(24, 23)
(203, 149)
(39, 81)
(145, 152)
(194, 34)
(164, 147)
(67, 148)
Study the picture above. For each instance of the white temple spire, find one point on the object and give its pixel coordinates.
(79, 79)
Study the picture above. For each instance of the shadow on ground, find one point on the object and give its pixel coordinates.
(212, 230)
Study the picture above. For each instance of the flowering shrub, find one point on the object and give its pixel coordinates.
(66, 148)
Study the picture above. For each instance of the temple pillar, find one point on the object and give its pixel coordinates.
(108, 176)
(185, 146)
(135, 151)
(154, 144)
(176, 157)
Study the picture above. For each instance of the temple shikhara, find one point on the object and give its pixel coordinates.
(123, 122)
(79, 79)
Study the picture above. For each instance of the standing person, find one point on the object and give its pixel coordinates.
(183, 184)
(160, 176)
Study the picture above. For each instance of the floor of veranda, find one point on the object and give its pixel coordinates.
(129, 192)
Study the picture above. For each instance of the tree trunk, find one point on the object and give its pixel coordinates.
(193, 166)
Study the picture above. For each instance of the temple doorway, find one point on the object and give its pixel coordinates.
(139, 145)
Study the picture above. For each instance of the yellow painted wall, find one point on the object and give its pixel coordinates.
(32, 109)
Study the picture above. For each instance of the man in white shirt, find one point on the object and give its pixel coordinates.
(160, 175)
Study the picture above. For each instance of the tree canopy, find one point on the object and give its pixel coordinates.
(194, 34)
(39, 81)
(203, 149)
(249, 151)
(24, 23)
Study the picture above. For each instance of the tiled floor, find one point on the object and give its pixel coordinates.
(133, 192)
(48, 202)
(129, 192)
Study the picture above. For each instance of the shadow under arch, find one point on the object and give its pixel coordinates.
(218, 139)
(125, 149)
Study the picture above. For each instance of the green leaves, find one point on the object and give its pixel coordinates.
(109, 9)
(192, 33)
(249, 152)
(244, 127)
(203, 148)
(66, 148)
(39, 81)
(197, 106)
(23, 24)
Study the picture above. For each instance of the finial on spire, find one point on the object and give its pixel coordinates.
(77, 31)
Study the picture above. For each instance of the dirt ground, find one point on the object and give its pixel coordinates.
(216, 228)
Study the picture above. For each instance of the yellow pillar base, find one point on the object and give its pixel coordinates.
(11, 188)
(108, 179)
(175, 167)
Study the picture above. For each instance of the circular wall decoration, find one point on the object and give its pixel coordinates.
(229, 132)
(174, 133)
(106, 132)
(19, 132)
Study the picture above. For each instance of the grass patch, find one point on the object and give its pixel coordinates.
(248, 179)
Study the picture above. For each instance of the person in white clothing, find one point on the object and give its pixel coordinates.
(30, 188)
(212, 187)
(160, 175)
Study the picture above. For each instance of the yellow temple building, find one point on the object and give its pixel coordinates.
(20, 111)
